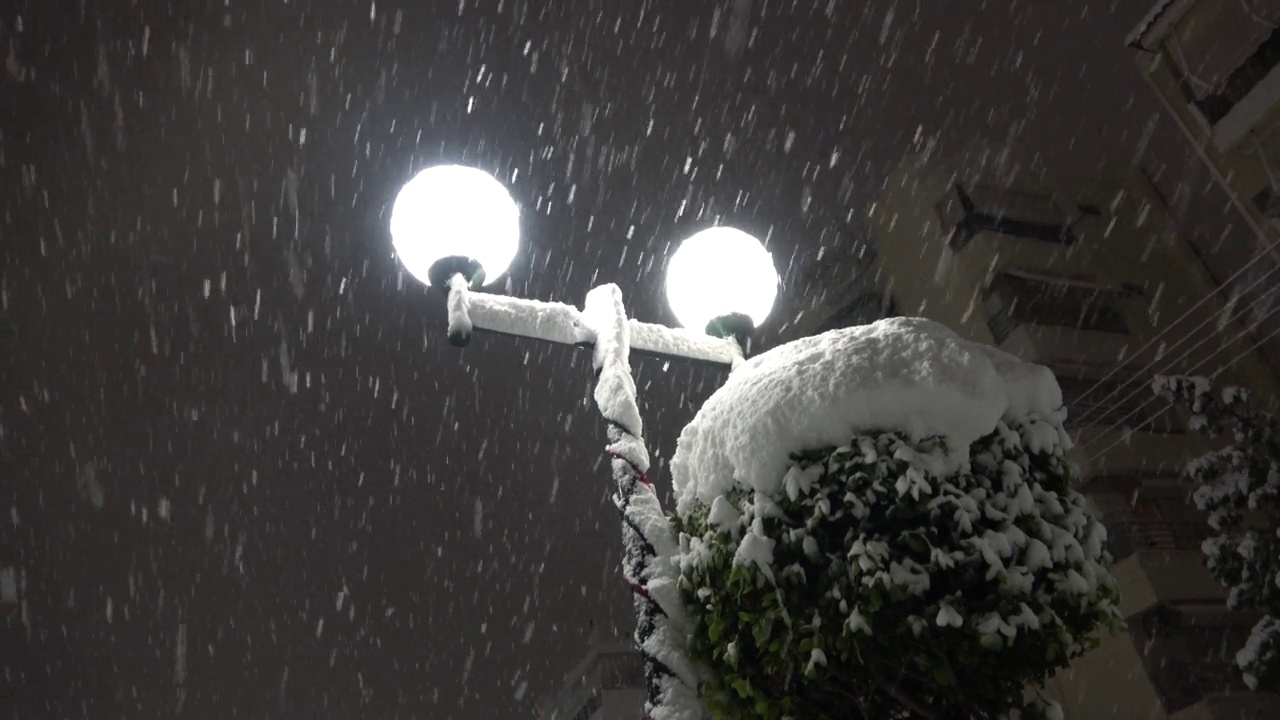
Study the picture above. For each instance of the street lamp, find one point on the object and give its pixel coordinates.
(455, 218)
(722, 280)
(455, 228)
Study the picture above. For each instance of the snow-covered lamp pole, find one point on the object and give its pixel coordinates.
(457, 228)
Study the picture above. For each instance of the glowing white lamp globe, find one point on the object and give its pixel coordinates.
(718, 272)
(450, 211)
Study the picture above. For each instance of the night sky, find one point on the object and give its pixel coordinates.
(231, 423)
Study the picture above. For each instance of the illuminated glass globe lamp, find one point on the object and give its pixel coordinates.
(455, 220)
(722, 281)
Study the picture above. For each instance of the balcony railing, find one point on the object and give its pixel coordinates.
(1014, 299)
(1129, 535)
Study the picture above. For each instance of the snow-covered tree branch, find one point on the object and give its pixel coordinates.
(1238, 485)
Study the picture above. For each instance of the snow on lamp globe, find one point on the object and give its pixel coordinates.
(455, 220)
(722, 281)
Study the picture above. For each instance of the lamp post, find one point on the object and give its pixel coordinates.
(456, 228)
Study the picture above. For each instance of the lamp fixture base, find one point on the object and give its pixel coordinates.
(445, 268)
(738, 326)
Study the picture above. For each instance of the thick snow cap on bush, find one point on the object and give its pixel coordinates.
(908, 375)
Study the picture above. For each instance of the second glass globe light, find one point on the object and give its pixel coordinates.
(718, 272)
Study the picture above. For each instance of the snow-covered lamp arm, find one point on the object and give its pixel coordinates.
(562, 323)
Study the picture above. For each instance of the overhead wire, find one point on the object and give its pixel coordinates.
(1183, 356)
(1169, 328)
(1140, 377)
(1125, 437)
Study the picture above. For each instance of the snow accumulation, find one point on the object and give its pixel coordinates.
(605, 320)
(459, 305)
(554, 322)
(908, 375)
(561, 323)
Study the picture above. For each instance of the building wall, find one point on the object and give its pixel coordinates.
(1113, 684)
(1194, 54)
(1128, 253)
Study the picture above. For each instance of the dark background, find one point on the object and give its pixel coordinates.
(225, 407)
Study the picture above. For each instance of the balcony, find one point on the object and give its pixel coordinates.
(1055, 345)
(1188, 651)
(1015, 298)
(1056, 321)
(1224, 57)
(967, 210)
(1247, 115)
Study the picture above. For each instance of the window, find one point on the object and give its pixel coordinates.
(621, 670)
(1013, 301)
(1115, 403)
(1198, 42)
(594, 703)
(1216, 104)
(967, 211)
(1267, 203)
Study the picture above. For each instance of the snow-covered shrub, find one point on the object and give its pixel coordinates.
(933, 563)
(874, 584)
(1239, 486)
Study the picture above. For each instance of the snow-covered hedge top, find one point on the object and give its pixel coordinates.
(908, 375)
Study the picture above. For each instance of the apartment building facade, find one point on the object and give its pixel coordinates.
(1098, 284)
(1214, 65)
